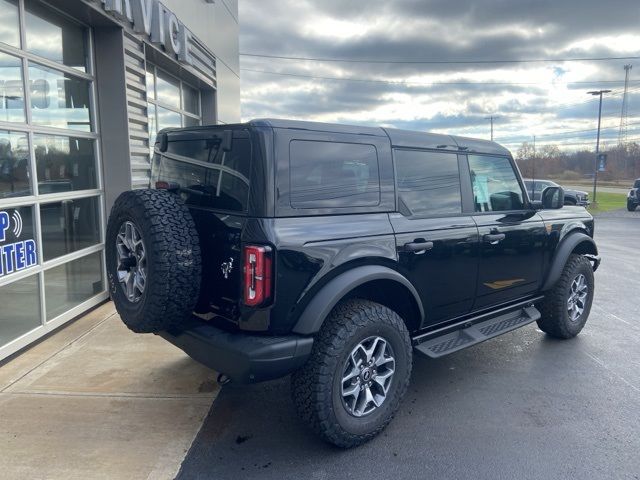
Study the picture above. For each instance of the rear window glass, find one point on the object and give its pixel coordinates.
(428, 182)
(205, 174)
(333, 175)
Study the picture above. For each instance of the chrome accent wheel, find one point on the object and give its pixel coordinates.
(577, 297)
(132, 261)
(367, 376)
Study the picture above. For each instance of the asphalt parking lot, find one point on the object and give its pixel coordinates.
(519, 406)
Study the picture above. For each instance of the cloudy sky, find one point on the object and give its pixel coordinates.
(546, 99)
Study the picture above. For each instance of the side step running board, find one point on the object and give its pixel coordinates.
(442, 345)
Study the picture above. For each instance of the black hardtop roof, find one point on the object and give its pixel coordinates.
(398, 138)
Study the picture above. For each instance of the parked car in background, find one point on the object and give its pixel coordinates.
(633, 197)
(571, 197)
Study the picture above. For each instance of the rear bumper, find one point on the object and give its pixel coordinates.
(242, 357)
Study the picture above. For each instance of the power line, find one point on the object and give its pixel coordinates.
(403, 82)
(436, 62)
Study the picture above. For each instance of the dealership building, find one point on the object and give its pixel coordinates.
(84, 87)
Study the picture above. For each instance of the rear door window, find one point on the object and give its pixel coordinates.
(333, 174)
(428, 182)
(206, 175)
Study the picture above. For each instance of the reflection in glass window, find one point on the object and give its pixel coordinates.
(222, 182)
(151, 81)
(153, 128)
(11, 89)
(53, 36)
(69, 225)
(428, 182)
(64, 164)
(59, 100)
(190, 99)
(168, 118)
(14, 165)
(9, 25)
(329, 175)
(20, 312)
(168, 90)
(495, 185)
(190, 121)
(71, 284)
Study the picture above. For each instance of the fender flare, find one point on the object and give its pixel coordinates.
(563, 251)
(323, 302)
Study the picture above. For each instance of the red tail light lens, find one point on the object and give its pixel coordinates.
(258, 268)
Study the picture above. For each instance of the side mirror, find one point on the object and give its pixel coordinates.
(552, 198)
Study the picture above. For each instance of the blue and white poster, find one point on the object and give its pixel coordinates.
(18, 249)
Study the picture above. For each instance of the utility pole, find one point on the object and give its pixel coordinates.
(622, 134)
(595, 159)
(492, 118)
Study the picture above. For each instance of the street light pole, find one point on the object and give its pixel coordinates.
(595, 160)
(492, 118)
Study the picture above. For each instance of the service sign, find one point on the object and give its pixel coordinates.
(17, 245)
(159, 24)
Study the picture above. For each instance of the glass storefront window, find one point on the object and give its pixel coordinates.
(69, 226)
(11, 89)
(64, 164)
(71, 284)
(190, 100)
(15, 178)
(18, 247)
(20, 311)
(168, 118)
(58, 99)
(171, 103)
(168, 90)
(52, 36)
(9, 24)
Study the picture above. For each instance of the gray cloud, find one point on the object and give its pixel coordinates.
(437, 30)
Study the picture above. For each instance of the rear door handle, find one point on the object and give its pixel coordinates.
(494, 238)
(419, 246)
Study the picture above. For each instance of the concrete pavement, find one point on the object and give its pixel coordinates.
(97, 401)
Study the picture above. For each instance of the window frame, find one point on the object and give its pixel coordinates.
(526, 202)
(152, 97)
(463, 190)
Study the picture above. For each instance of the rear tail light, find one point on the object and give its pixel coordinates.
(258, 269)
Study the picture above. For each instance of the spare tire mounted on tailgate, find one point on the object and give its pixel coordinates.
(153, 260)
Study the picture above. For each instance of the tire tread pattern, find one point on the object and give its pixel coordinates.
(173, 259)
(312, 384)
(554, 317)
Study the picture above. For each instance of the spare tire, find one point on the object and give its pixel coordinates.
(153, 260)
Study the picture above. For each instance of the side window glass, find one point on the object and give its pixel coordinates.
(428, 182)
(495, 184)
(333, 175)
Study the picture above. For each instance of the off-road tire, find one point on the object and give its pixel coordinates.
(316, 386)
(555, 320)
(173, 259)
(631, 206)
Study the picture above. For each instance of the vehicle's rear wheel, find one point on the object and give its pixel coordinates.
(631, 206)
(566, 306)
(357, 374)
(153, 260)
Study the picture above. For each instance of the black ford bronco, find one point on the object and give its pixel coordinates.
(333, 253)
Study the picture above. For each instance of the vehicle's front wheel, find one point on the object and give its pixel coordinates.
(566, 306)
(357, 374)
(631, 206)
